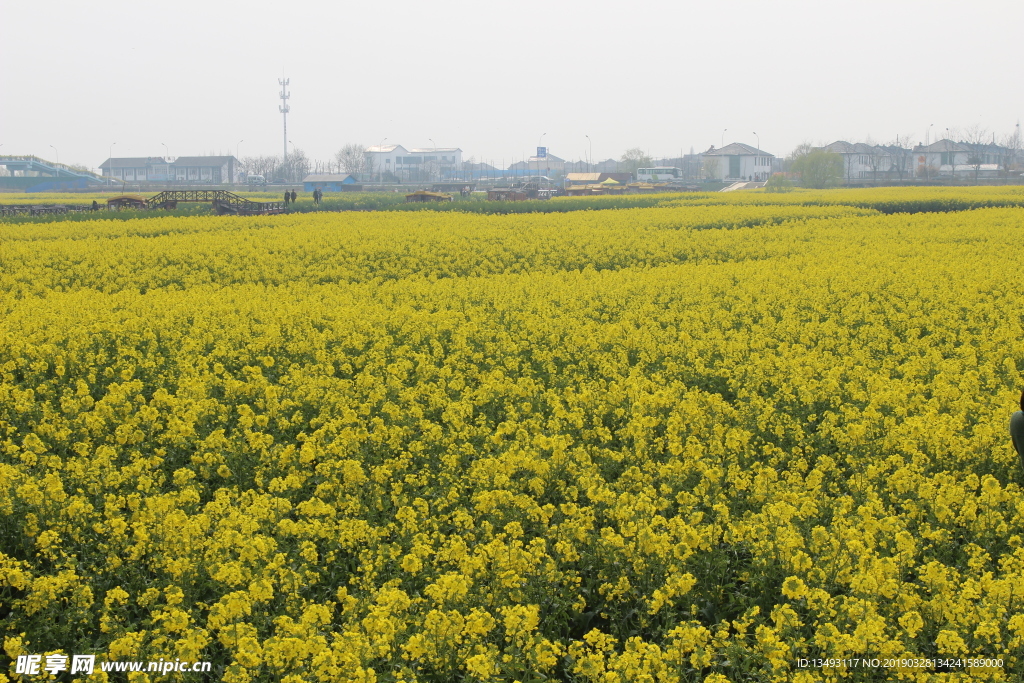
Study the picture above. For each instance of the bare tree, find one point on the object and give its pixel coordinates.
(1010, 151)
(633, 159)
(979, 147)
(351, 158)
(431, 170)
(901, 155)
(711, 168)
(265, 166)
(297, 167)
(878, 159)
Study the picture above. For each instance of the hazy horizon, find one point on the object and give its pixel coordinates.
(665, 77)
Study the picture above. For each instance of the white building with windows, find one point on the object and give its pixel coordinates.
(416, 164)
(860, 160)
(737, 161)
(943, 153)
(383, 159)
(865, 163)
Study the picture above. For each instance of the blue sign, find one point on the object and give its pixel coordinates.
(542, 151)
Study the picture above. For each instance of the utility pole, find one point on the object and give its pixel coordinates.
(284, 112)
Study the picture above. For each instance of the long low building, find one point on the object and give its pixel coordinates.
(418, 163)
(331, 182)
(212, 170)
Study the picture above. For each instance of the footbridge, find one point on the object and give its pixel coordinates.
(49, 168)
(224, 202)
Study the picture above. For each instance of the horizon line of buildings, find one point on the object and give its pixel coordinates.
(862, 162)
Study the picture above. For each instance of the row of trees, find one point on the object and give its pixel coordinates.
(275, 168)
(349, 159)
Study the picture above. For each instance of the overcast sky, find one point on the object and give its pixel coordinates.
(492, 78)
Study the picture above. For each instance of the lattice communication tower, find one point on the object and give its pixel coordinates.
(284, 111)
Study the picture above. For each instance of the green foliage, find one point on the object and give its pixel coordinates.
(819, 169)
(778, 183)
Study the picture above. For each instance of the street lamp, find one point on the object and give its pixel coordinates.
(434, 163)
(1017, 142)
(591, 152)
(949, 158)
(57, 172)
(380, 160)
(758, 145)
(110, 159)
(539, 141)
(293, 150)
(723, 137)
(234, 163)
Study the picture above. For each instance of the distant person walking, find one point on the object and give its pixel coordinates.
(1017, 431)
(293, 196)
(287, 197)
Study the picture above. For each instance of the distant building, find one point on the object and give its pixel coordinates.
(867, 163)
(956, 159)
(440, 162)
(330, 182)
(942, 153)
(212, 170)
(864, 162)
(548, 165)
(480, 171)
(416, 164)
(737, 161)
(382, 159)
(606, 166)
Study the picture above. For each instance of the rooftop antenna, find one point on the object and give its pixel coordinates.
(284, 112)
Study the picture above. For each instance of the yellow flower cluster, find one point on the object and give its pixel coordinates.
(680, 443)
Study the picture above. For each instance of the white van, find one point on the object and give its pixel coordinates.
(255, 180)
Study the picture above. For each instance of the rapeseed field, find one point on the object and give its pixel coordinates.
(726, 438)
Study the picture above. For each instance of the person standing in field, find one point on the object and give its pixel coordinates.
(293, 196)
(287, 196)
(1017, 431)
